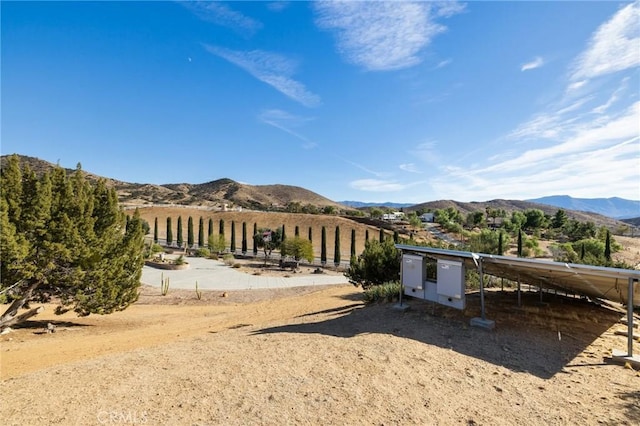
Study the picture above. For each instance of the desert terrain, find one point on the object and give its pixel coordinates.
(318, 355)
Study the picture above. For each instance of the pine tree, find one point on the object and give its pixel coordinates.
(155, 230)
(336, 251)
(353, 244)
(244, 238)
(179, 239)
(169, 232)
(201, 232)
(323, 247)
(62, 237)
(233, 236)
(190, 232)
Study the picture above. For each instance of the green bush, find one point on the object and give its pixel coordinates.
(383, 292)
(228, 259)
(180, 260)
(203, 252)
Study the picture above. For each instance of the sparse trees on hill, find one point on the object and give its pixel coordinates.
(64, 238)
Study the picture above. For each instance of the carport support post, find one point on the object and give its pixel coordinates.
(482, 321)
(630, 318)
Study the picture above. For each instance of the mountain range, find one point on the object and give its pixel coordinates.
(276, 197)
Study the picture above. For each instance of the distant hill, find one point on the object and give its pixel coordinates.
(214, 193)
(617, 208)
(360, 204)
(515, 205)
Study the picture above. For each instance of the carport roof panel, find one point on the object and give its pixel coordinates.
(587, 280)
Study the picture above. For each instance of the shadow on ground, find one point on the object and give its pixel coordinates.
(555, 331)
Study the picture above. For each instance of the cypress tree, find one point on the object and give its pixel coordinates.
(353, 244)
(381, 235)
(255, 246)
(396, 237)
(311, 234)
(221, 227)
(190, 232)
(582, 251)
(201, 232)
(366, 235)
(283, 235)
(155, 230)
(519, 242)
(179, 239)
(336, 251)
(500, 249)
(233, 236)
(169, 232)
(297, 231)
(210, 229)
(323, 248)
(244, 238)
(607, 247)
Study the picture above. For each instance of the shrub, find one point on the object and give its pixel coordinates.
(228, 259)
(180, 260)
(203, 252)
(383, 292)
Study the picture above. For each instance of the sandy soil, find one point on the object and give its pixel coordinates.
(319, 356)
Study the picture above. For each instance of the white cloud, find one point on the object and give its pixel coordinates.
(535, 63)
(271, 68)
(444, 63)
(278, 6)
(613, 47)
(381, 35)
(409, 167)
(220, 14)
(284, 121)
(376, 185)
(613, 98)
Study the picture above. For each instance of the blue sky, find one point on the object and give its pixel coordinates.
(369, 101)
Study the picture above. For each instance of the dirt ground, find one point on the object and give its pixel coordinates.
(318, 355)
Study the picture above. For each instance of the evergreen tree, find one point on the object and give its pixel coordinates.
(190, 232)
(169, 232)
(381, 237)
(244, 238)
(297, 231)
(500, 243)
(311, 234)
(366, 235)
(323, 247)
(179, 239)
(201, 232)
(336, 251)
(396, 237)
(283, 237)
(221, 227)
(233, 236)
(519, 242)
(62, 237)
(353, 244)
(210, 229)
(255, 246)
(607, 247)
(155, 230)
